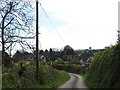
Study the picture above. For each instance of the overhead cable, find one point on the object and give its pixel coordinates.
(51, 23)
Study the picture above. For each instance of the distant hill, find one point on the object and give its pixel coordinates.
(104, 71)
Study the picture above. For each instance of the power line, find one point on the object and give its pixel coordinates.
(52, 23)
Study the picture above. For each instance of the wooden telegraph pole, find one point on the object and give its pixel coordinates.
(37, 42)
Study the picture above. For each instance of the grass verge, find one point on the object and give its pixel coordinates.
(48, 77)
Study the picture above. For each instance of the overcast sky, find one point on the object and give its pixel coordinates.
(80, 23)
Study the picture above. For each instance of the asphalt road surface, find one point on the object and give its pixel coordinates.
(75, 82)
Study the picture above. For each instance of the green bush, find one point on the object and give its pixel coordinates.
(73, 68)
(47, 76)
(104, 70)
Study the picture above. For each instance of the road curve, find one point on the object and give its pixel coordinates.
(75, 81)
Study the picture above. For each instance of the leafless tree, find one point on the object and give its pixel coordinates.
(17, 20)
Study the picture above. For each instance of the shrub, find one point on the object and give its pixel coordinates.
(104, 70)
(73, 68)
(47, 77)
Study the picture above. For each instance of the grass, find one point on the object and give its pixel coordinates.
(48, 77)
(58, 81)
(0, 77)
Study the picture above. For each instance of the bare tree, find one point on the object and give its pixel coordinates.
(17, 20)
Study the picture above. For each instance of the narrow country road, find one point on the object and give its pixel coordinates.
(75, 81)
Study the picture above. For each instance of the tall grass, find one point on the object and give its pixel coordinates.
(48, 77)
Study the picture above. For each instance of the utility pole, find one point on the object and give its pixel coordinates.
(37, 42)
(3, 42)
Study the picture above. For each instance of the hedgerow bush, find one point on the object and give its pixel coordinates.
(104, 71)
(47, 77)
(72, 68)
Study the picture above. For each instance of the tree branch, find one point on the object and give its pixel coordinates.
(9, 22)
